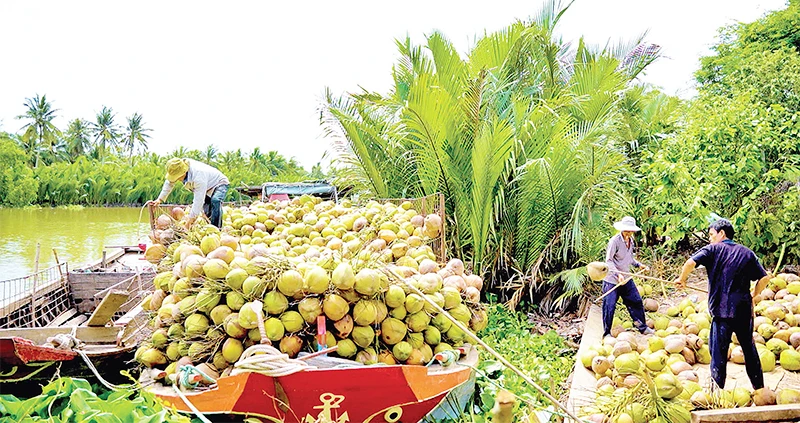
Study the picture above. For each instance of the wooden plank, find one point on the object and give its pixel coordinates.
(765, 413)
(76, 321)
(89, 335)
(63, 317)
(108, 306)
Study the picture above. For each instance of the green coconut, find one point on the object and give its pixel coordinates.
(432, 335)
(209, 243)
(364, 313)
(215, 268)
(159, 338)
(235, 278)
(415, 339)
(219, 313)
(153, 357)
(196, 324)
(667, 385)
(232, 349)
(441, 322)
(367, 282)
(402, 350)
(346, 348)
(343, 277)
(292, 321)
(461, 313)
(399, 313)
(382, 311)
(175, 331)
(334, 307)
(455, 334)
(417, 322)
(452, 297)
(253, 287)
(767, 359)
(627, 363)
(206, 300)
(316, 280)
(393, 331)
(197, 351)
(173, 351)
(234, 300)
(656, 361)
(290, 283)
(414, 303)
(343, 326)
(367, 356)
(363, 336)
(310, 308)
(274, 329)
(248, 316)
(790, 360)
(395, 296)
(275, 303)
(788, 396)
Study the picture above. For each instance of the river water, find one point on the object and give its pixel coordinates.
(78, 235)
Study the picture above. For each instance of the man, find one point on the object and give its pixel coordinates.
(208, 184)
(620, 258)
(730, 268)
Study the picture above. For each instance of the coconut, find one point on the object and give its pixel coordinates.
(688, 355)
(274, 329)
(767, 359)
(206, 300)
(472, 294)
(381, 311)
(159, 338)
(257, 266)
(291, 345)
(275, 303)
(600, 365)
(253, 287)
(703, 355)
(414, 303)
(152, 357)
(461, 313)
(175, 331)
(233, 328)
(474, 281)
(235, 277)
(655, 343)
(688, 375)
(627, 363)
(249, 316)
(650, 305)
(155, 253)
(292, 321)
(363, 336)
(674, 344)
(316, 280)
(479, 320)
(621, 347)
(777, 346)
(367, 356)
(668, 386)
(794, 339)
(432, 225)
(788, 396)
(452, 297)
(656, 361)
(399, 313)
(196, 324)
(764, 396)
(234, 300)
(343, 326)
(367, 282)
(334, 307)
(310, 308)
(790, 359)
(290, 282)
(232, 349)
(402, 350)
(417, 322)
(395, 296)
(393, 331)
(343, 277)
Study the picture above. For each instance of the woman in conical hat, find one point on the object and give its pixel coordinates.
(620, 258)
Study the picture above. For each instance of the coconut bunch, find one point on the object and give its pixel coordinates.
(300, 260)
(777, 324)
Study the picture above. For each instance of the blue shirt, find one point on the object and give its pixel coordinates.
(730, 268)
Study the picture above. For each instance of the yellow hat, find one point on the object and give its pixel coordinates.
(176, 168)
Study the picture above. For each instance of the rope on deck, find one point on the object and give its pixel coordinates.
(268, 360)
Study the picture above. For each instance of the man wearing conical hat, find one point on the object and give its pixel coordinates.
(620, 258)
(207, 183)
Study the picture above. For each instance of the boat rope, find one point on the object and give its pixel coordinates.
(139, 222)
(104, 382)
(187, 371)
(191, 406)
(268, 360)
(445, 358)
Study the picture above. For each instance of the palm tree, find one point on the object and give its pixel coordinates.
(105, 131)
(515, 135)
(210, 155)
(135, 134)
(40, 132)
(77, 139)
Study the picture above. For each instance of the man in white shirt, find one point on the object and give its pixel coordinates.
(207, 183)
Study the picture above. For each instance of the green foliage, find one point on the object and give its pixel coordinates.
(516, 135)
(17, 184)
(544, 358)
(75, 400)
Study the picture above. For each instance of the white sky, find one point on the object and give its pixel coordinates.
(241, 74)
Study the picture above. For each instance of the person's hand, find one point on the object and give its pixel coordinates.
(679, 283)
(189, 222)
(620, 279)
(153, 203)
(644, 268)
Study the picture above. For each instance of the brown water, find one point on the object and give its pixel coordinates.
(78, 235)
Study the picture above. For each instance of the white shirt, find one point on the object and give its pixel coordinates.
(202, 180)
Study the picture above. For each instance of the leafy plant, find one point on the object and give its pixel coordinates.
(75, 400)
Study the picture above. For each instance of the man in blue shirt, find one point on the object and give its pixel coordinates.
(731, 267)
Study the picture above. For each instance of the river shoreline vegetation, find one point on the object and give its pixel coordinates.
(538, 145)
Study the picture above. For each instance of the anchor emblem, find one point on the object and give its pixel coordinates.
(329, 402)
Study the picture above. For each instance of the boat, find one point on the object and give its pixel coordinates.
(69, 323)
(336, 390)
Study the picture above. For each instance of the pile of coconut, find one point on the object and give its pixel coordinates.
(286, 264)
(660, 370)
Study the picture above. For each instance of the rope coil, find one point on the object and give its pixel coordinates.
(268, 360)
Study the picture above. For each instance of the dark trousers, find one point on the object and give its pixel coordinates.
(212, 207)
(632, 300)
(720, 338)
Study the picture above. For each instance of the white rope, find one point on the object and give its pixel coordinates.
(97, 374)
(268, 360)
(191, 406)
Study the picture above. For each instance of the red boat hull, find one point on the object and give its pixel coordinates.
(340, 395)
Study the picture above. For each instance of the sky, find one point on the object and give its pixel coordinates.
(245, 74)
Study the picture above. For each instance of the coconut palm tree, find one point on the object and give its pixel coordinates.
(39, 132)
(211, 153)
(105, 131)
(77, 139)
(515, 135)
(135, 134)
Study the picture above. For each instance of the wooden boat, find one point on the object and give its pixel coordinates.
(58, 321)
(335, 390)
